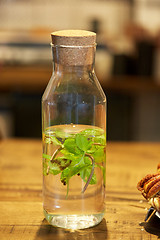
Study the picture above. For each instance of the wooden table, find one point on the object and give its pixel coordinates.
(21, 216)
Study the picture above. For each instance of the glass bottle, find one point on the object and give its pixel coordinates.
(74, 134)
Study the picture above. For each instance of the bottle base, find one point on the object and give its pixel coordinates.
(74, 221)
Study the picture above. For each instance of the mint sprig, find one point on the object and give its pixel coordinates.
(76, 154)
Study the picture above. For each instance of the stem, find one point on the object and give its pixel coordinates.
(91, 174)
(97, 144)
(55, 154)
(47, 170)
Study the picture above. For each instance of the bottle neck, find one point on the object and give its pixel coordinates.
(59, 68)
(72, 59)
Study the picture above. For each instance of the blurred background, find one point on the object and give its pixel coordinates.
(127, 62)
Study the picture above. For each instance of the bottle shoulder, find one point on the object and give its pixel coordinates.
(98, 87)
(83, 84)
(51, 86)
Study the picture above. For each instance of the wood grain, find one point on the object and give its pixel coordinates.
(21, 215)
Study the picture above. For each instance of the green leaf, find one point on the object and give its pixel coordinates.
(69, 155)
(85, 173)
(82, 142)
(63, 134)
(50, 139)
(100, 140)
(92, 149)
(72, 170)
(87, 161)
(46, 156)
(63, 161)
(76, 154)
(99, 155)
(71, 146)
(54, 168)
(45, 166)
(65, 176)
(55, 141)
(92, 132)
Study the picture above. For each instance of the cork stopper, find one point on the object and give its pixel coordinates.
(73, 47)
(73, 38)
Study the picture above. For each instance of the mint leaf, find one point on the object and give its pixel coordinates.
(54, 168)
(48, 140)
(92, 132)
(85, 173)
(63, 162)
(69, 155)
(92, 149)
(60, 133)
(71, 146)
(72, 170)
(82, 142)
(75, 154)
(99, 155)
(55, 141)
(51, 139)
(65, 176)
(45, 167)
(46, 156)
(87, 161)
(100, 140)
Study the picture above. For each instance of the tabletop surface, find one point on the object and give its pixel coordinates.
(21, 215)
